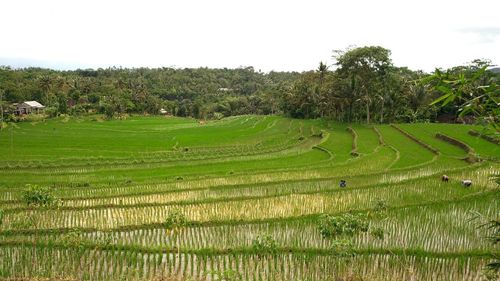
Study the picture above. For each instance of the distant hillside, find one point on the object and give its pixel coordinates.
(495, 70)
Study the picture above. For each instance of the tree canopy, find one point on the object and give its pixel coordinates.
(362, 86)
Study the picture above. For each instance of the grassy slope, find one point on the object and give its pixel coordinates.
(410, 152)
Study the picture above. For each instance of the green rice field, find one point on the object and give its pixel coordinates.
(237, 182)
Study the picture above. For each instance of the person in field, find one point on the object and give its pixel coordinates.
(343, 183)
(467, 183)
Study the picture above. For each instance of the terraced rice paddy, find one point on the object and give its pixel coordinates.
(237, 180)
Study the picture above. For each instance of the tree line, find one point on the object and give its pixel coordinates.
(362, 86)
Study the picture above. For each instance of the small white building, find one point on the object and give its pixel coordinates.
(29, 107)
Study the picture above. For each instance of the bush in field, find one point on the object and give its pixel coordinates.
(343, 248)
(175, 220)
(38, 196)
(379, 210)
(377, 233)
(342, 225)
(381, 206)
(265, 245)
(73, 239)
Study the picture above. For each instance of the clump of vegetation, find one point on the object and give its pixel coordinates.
(175, 221)
(39, 196)
(342, 225)
(379, 210)
(265, 245)
(381, 206)
(73, 239)
(343, 248)
(377, 232)
(473, 88)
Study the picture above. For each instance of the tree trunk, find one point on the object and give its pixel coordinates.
(382, 113)
(367, 112)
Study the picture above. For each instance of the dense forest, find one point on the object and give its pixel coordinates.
(362, 86)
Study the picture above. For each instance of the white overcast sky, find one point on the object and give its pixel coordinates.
(269, 35)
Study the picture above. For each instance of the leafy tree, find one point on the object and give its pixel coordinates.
(473, 89)
(365, 69)
(364, 86)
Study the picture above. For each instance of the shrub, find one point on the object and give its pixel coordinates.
(381, 206)
(377, 233)
(265, 245)
(38, 196)
(72, 239)
(175, 220)
(343, 225)
(342, 248)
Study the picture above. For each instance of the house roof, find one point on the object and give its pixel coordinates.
(34, 104)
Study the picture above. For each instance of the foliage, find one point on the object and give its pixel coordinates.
(366, 70)
(39, 196)
(265, 245)
(200, 93)
(73, 239)
(175, 220)
(365, 85)
(473, 89)
(377, 232)
(343, 225)
(492, 227)
(1, 217)
(381, 206)
(342, 248)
